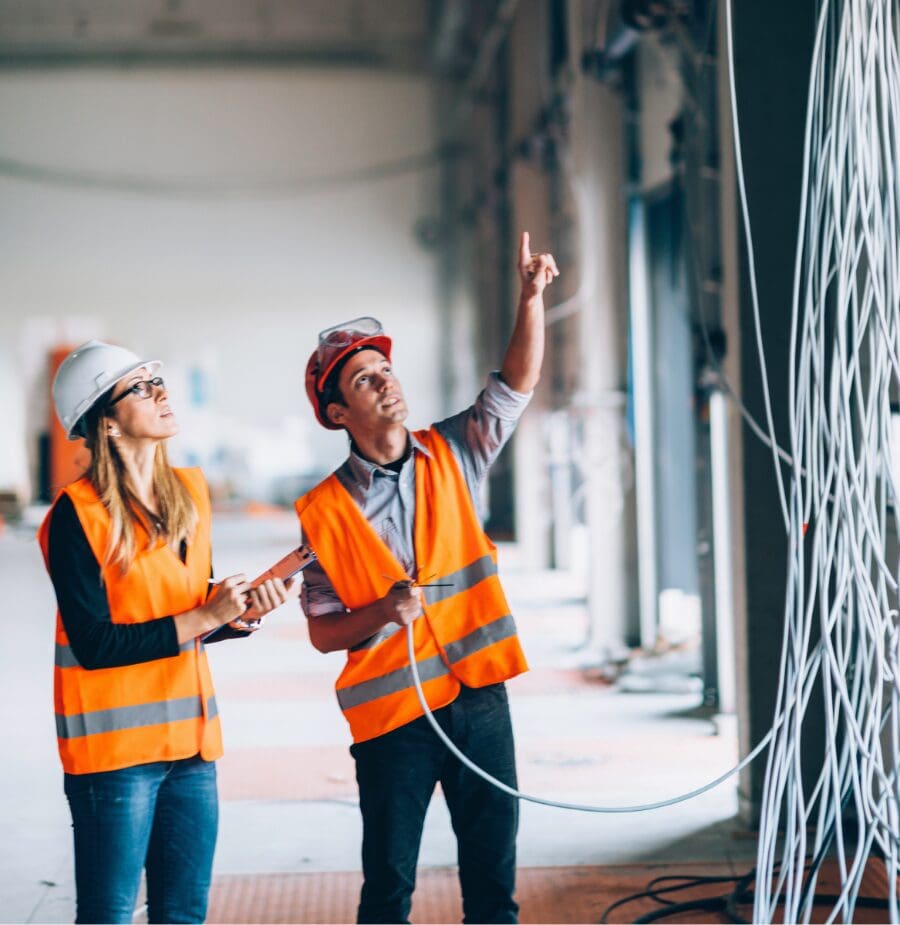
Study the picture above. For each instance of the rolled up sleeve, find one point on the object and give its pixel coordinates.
(317, 596)
(477, 435)
(500, 401)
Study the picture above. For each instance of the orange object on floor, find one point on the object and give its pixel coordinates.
(69, 459)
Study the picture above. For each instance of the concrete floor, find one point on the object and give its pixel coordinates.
(286, 781)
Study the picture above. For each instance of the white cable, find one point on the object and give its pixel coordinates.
(580, 807)
(845, 366)
(844, 349)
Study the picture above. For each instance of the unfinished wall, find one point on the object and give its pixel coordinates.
(547, 156)
(228, 286)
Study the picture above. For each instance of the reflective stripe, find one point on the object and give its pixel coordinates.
(496, 631)
(462, 580)
(390, 683)
(65, 657)
(467, 577)
(401, 679)
(142, 714)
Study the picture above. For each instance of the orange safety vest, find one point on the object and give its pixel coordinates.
(162, 710)
(466, 635)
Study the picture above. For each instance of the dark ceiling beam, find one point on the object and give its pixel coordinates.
(390, 34)
(413, 60)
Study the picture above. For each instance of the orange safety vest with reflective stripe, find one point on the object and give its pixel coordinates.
(466, 635)
(162, 710)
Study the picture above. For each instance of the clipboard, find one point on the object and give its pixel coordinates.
(288, 566)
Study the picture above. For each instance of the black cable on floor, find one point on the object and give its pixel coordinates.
(713, 904)
(727, 903)
(681, 878)
(655, 894)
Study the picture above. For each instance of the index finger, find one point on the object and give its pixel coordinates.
(232, 581)
(524, 249)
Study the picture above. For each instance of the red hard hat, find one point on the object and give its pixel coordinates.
(334, 345)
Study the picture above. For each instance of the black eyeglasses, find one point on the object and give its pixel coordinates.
(143, 389)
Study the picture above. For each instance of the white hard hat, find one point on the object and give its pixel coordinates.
(85, 374)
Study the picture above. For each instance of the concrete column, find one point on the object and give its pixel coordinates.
(601, 331)
(527, 85)
(773, 47)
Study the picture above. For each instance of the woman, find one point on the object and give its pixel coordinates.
(128, 551)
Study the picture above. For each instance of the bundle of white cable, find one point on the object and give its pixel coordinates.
(841, 604)
(841, 618)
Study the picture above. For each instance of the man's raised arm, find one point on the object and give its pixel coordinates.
(522, 364)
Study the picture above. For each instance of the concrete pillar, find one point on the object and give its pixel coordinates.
(599, 331)
(773, 47)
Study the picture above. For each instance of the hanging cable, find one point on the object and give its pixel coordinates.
(579, 807)
(841, 631)
(841, 588)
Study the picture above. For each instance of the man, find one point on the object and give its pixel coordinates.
(399, 542)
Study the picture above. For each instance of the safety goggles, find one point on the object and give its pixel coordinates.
(143, 389)
(337, 341)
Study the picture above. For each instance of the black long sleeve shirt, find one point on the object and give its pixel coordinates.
(95, 640)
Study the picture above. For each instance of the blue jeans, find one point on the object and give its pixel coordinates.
(397, 773)
(163, 816)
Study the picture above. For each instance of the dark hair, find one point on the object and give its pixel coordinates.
(331, 390)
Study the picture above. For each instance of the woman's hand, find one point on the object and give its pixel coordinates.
(227, 601)
(272, 593)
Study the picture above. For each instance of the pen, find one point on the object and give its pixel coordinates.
(414, 584)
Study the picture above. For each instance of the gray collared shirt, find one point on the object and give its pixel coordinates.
(388, 498)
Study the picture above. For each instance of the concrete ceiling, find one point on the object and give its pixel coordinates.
(398, 34)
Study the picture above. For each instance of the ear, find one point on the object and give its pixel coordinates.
(112, 429)
(336, 413)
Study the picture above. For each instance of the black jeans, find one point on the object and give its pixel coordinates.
(397, 773)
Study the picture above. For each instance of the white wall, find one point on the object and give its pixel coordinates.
(235, 285)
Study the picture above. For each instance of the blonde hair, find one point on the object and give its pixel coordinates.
(177, 518)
